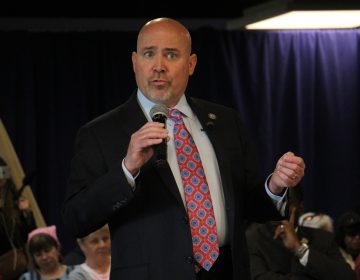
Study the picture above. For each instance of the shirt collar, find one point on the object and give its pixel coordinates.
(146, 105)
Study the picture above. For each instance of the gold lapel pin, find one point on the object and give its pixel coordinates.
(212, 116)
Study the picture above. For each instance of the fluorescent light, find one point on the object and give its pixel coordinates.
(310, 20)
(299, 14)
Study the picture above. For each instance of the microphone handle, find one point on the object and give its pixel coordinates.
(160, 149)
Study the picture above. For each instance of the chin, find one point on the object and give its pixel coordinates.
(160, 100)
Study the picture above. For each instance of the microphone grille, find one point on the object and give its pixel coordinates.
(159, 109)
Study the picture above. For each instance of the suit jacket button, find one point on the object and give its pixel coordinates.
(189, 259)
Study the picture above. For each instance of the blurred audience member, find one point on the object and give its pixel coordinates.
(16, 221)
(284, 250)
(97, 251)
(45, 254)
(347, 234)
(317, 220)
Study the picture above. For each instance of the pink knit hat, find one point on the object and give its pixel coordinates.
(50, 230)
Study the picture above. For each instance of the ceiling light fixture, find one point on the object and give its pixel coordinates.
(301, 14)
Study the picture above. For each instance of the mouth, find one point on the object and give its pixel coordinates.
(45, 263)
(159, 82)
(103, 253)
(159, 79)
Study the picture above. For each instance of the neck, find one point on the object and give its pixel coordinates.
(53, 272)
(100, 265)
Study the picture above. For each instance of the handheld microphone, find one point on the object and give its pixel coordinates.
(158, 113)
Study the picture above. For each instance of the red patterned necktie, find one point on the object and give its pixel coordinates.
(197, 195)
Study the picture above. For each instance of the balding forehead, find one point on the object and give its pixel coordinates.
(166, 21)
(167, 25)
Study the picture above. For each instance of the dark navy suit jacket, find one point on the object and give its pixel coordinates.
(151, 238)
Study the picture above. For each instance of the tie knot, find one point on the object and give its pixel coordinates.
(175, 115)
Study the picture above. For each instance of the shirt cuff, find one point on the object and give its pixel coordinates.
(304, 259)
(129, 177)
(279, 201)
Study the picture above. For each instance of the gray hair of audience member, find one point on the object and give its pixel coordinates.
(317, 220)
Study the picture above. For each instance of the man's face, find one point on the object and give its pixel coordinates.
(162, 63)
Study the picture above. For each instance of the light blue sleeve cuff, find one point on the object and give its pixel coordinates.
(279, 201)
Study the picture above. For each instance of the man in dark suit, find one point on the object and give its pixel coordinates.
(284, 250)
(115, 177)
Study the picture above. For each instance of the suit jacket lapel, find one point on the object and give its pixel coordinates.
(168, 178)
(132, 115)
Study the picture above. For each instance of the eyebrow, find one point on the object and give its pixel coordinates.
(149, 48)
(165, 49)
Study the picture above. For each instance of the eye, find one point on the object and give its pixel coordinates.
(47, 250)
(94, 241)
(148, 54)
(171, 55)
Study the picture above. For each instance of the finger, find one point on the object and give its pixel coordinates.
(145, 136)
(286, 172)
(292, 215)
(293, 162)
(296, 166)
(289, 171)
(291, 157)
(284, 179)
(151, 127)
(279, 231)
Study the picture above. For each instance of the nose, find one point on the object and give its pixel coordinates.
(104, 242)
(159, 66)
(158, 69)
(43, 256)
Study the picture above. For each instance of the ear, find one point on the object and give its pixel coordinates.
(133, 59)
(192, 64)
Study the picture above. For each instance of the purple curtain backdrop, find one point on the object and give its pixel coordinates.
(295, 90)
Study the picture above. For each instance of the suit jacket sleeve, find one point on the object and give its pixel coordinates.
(96, 189)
